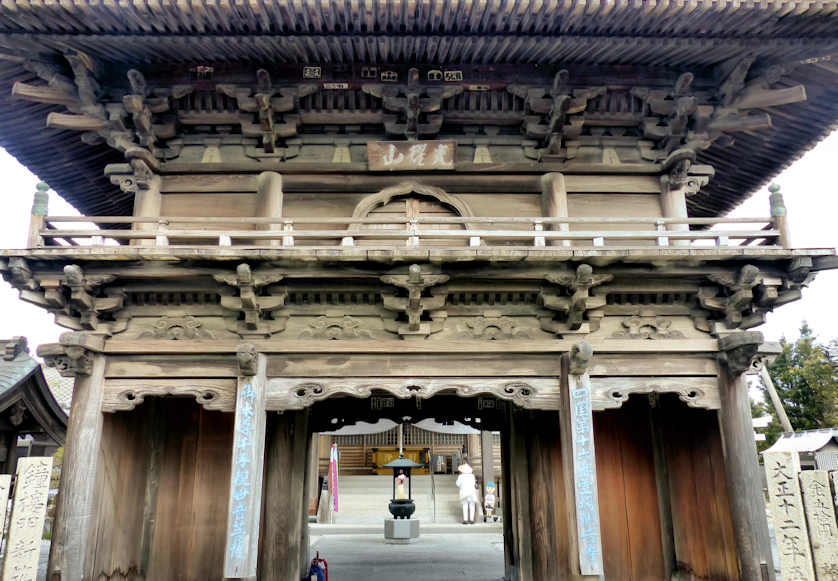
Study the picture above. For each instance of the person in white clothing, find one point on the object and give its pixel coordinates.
(468, 492)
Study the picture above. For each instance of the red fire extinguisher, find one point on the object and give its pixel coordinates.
(319, 570)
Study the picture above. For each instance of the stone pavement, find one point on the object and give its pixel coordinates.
(434, 557)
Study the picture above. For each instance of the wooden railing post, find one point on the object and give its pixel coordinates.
(40, 203)
(778, 215)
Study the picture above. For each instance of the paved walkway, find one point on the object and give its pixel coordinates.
(439, 557)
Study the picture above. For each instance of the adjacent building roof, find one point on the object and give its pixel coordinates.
(681, 35)
(22, 382)
(807, 441)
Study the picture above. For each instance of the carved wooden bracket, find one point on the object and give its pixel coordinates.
(298, 393)
(73, 354)
(578, 304)
(71, 297)
(415, 282)
(581, 354)
(739, 299)
(736, 351)
(247, 356)
(253, 302)
(416, 107)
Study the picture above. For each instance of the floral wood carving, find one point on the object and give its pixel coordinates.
(612, 392)
(639, 327)
(177, 328)
(335, 328)
(298, 393)
(492, 327)
(126, 394)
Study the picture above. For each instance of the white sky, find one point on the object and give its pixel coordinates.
(809, 186)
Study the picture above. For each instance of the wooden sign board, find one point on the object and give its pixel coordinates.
(411, 155)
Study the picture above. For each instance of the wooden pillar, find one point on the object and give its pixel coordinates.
(579, 467)
(778, 215)
(269, 201)
(72, 551)
(284, 547)
(40, 204)
(313, 476)
(554, 203)
(148, 200)
(245, 504)
(518, 509)
(487, 459)
(674, 205)
(742, 471)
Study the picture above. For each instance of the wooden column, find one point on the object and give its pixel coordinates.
(518, 483)
(284, 547)
(742, 471)
(72, 551)
(778, 215)
(245, 505)
(487, 459)
(269, 201)
(674, 205)
(510, 559)
(40, 204)
(148, 200)
(579, 466)
(554, 203)
(313, 476)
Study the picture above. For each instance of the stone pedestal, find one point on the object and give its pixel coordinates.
(401, 531)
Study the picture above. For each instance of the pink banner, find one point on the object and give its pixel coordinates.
(333, 475)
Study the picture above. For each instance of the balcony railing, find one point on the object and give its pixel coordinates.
(273, 232)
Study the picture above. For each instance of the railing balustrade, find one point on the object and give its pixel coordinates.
(410, 232)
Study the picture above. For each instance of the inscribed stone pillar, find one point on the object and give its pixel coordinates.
(487, 459)
(742, 471)
(245, 504)
(820, 517)
(5, 486)
(23, 546)
(786, 504)
(71, 551)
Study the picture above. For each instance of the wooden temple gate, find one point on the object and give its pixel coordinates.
(511, 212)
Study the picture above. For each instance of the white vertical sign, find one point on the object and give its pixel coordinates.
(5, 487)
(584, 476)
(245, 506)
(23, 547)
